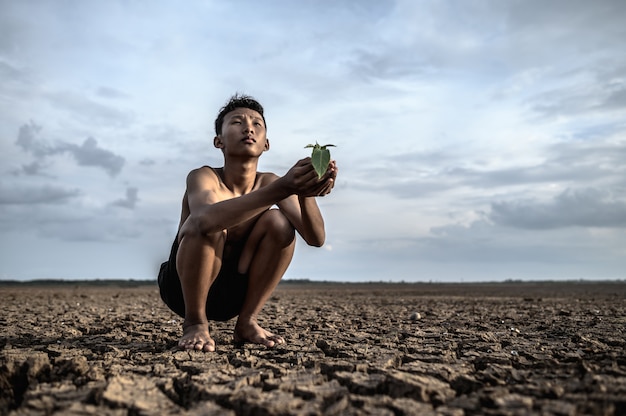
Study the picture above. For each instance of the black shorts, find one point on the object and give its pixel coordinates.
(226, 295)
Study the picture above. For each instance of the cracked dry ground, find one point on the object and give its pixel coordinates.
(396, 349)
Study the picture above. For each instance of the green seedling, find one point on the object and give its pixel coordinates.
(320, 157)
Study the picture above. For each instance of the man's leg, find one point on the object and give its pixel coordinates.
(265, 258)
(198, 263)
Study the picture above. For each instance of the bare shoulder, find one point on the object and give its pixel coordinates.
(202, 177)
(265, 178)
(203, 187)
(204, 171)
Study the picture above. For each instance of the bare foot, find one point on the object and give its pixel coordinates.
(196, 337)
(250, 331)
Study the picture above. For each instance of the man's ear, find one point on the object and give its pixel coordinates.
(267, 144)
(217, 142)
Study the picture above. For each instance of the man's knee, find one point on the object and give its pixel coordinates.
(278, 226)
(213, 239)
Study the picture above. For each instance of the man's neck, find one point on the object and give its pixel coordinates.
(239, 176)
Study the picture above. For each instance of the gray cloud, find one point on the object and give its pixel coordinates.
(27, 139)
(11, 73)
(572, 162)
(147, 162)
(547, 172)
(130, 201)
(480, 242)
(46, 194)
(606, 154)
(422, 174)
(90, 230)
(522, 35)
(87, 154)
(89, 110)
(616, 98)
(32, 169)
(389, 63)
(600, 95)
(573, 22)
(108, 92)
(573, 208)
(35, 168)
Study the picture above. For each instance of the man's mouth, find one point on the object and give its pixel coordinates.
(249, 140)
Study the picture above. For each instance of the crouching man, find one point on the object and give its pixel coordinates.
(236, 236)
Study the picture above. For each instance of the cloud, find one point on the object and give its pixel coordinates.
(90, 111)
(147, 162)
(10, 73)
(87, 154)
(616, 98)
(603, 154)
(35, 168)
(46, 194)
(32, 169)
(388, 63)
(580, 163)
(572, 208)
(130, 201)
(108, 92)
(597, 95)
(27, 139)
(90, 230)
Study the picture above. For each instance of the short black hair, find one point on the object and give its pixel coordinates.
(237, 101)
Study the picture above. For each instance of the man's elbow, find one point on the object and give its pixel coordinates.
(316, 241)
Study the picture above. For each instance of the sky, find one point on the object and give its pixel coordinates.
(476, 140)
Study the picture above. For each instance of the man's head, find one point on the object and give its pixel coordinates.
(237, 101)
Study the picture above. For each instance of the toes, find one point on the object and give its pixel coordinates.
(185, 346)
(273, 340)
(256, 335)
(208, 347)
(197, 345)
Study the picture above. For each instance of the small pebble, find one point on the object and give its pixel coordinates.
(415, 316)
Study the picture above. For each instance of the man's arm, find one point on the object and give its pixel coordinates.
(304, 213)
(306, 218)
(208, 214)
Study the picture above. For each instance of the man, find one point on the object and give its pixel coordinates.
(236, 235)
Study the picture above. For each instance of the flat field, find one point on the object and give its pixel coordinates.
(352, 349)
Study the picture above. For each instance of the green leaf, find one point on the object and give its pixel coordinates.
(320, 157)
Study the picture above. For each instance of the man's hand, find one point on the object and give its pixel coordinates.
(329, 178)
(302, 179)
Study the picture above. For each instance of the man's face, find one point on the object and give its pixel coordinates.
(243, 128)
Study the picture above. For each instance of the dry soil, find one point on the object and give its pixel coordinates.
(352, 349)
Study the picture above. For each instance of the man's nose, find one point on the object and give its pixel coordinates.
(248, 126)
